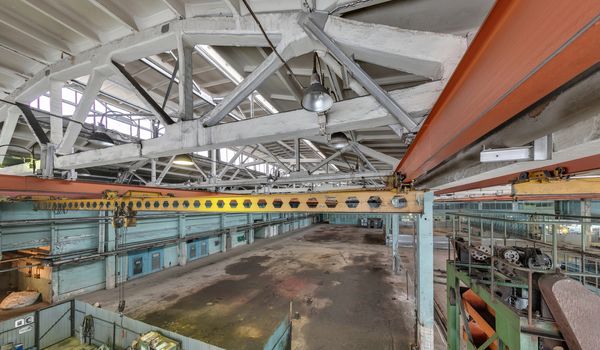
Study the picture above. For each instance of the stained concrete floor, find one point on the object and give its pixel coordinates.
(337, 278)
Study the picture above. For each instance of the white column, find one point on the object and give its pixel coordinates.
(56, 124)
(8, 129)
(424, 270)
(182, 247)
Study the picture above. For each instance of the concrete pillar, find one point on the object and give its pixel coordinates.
(223, 242)
(388, 229)
(55, 283)
(182, 246)
(152, 172)
(101, 232)
(54, 247)
(56, 124)
(111, 260)
(251, 229)
(8, 129)
(586, 227)
(424, 269)
(395, 219)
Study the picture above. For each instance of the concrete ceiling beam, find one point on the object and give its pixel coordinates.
(191, 136)
(431, 55)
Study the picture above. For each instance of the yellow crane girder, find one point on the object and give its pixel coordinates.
(558, 188)
(368, 201)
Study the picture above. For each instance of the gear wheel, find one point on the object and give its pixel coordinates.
(479, 255)
(512, 256)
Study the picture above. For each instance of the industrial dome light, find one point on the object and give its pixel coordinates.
(101, 139)
(183, 159)
(316, 97)
(338, 140)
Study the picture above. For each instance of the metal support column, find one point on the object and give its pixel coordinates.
(453, 310)
(54, 249)
(224, 234)
(111, 260)
(297, 153)
(424, 272)
(395, 232)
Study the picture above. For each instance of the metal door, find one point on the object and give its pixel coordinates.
(204, 247)
(192, 250)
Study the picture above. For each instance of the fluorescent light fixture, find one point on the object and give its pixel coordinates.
(319, 153)
(505, 154)
(212, 56)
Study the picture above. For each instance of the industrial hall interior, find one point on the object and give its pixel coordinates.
(300, 174)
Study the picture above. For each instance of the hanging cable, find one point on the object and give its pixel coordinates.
(287, 67)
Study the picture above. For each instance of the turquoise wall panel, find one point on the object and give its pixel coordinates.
(214, 245)
(201, 223)
(235, 220)
(78, 279)
(152, 229)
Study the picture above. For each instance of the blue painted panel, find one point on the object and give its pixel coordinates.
(83, 278)
(171, 256)
(214, 245)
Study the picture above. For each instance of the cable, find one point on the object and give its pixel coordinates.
(287, 67)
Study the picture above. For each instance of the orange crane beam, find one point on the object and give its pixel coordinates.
(28, 186)
(523, 51)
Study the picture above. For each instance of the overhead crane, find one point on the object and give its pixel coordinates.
(125, 207)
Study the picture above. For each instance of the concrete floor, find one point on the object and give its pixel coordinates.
(337, 278)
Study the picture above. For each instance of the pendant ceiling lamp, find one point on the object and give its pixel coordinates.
(316, 97)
